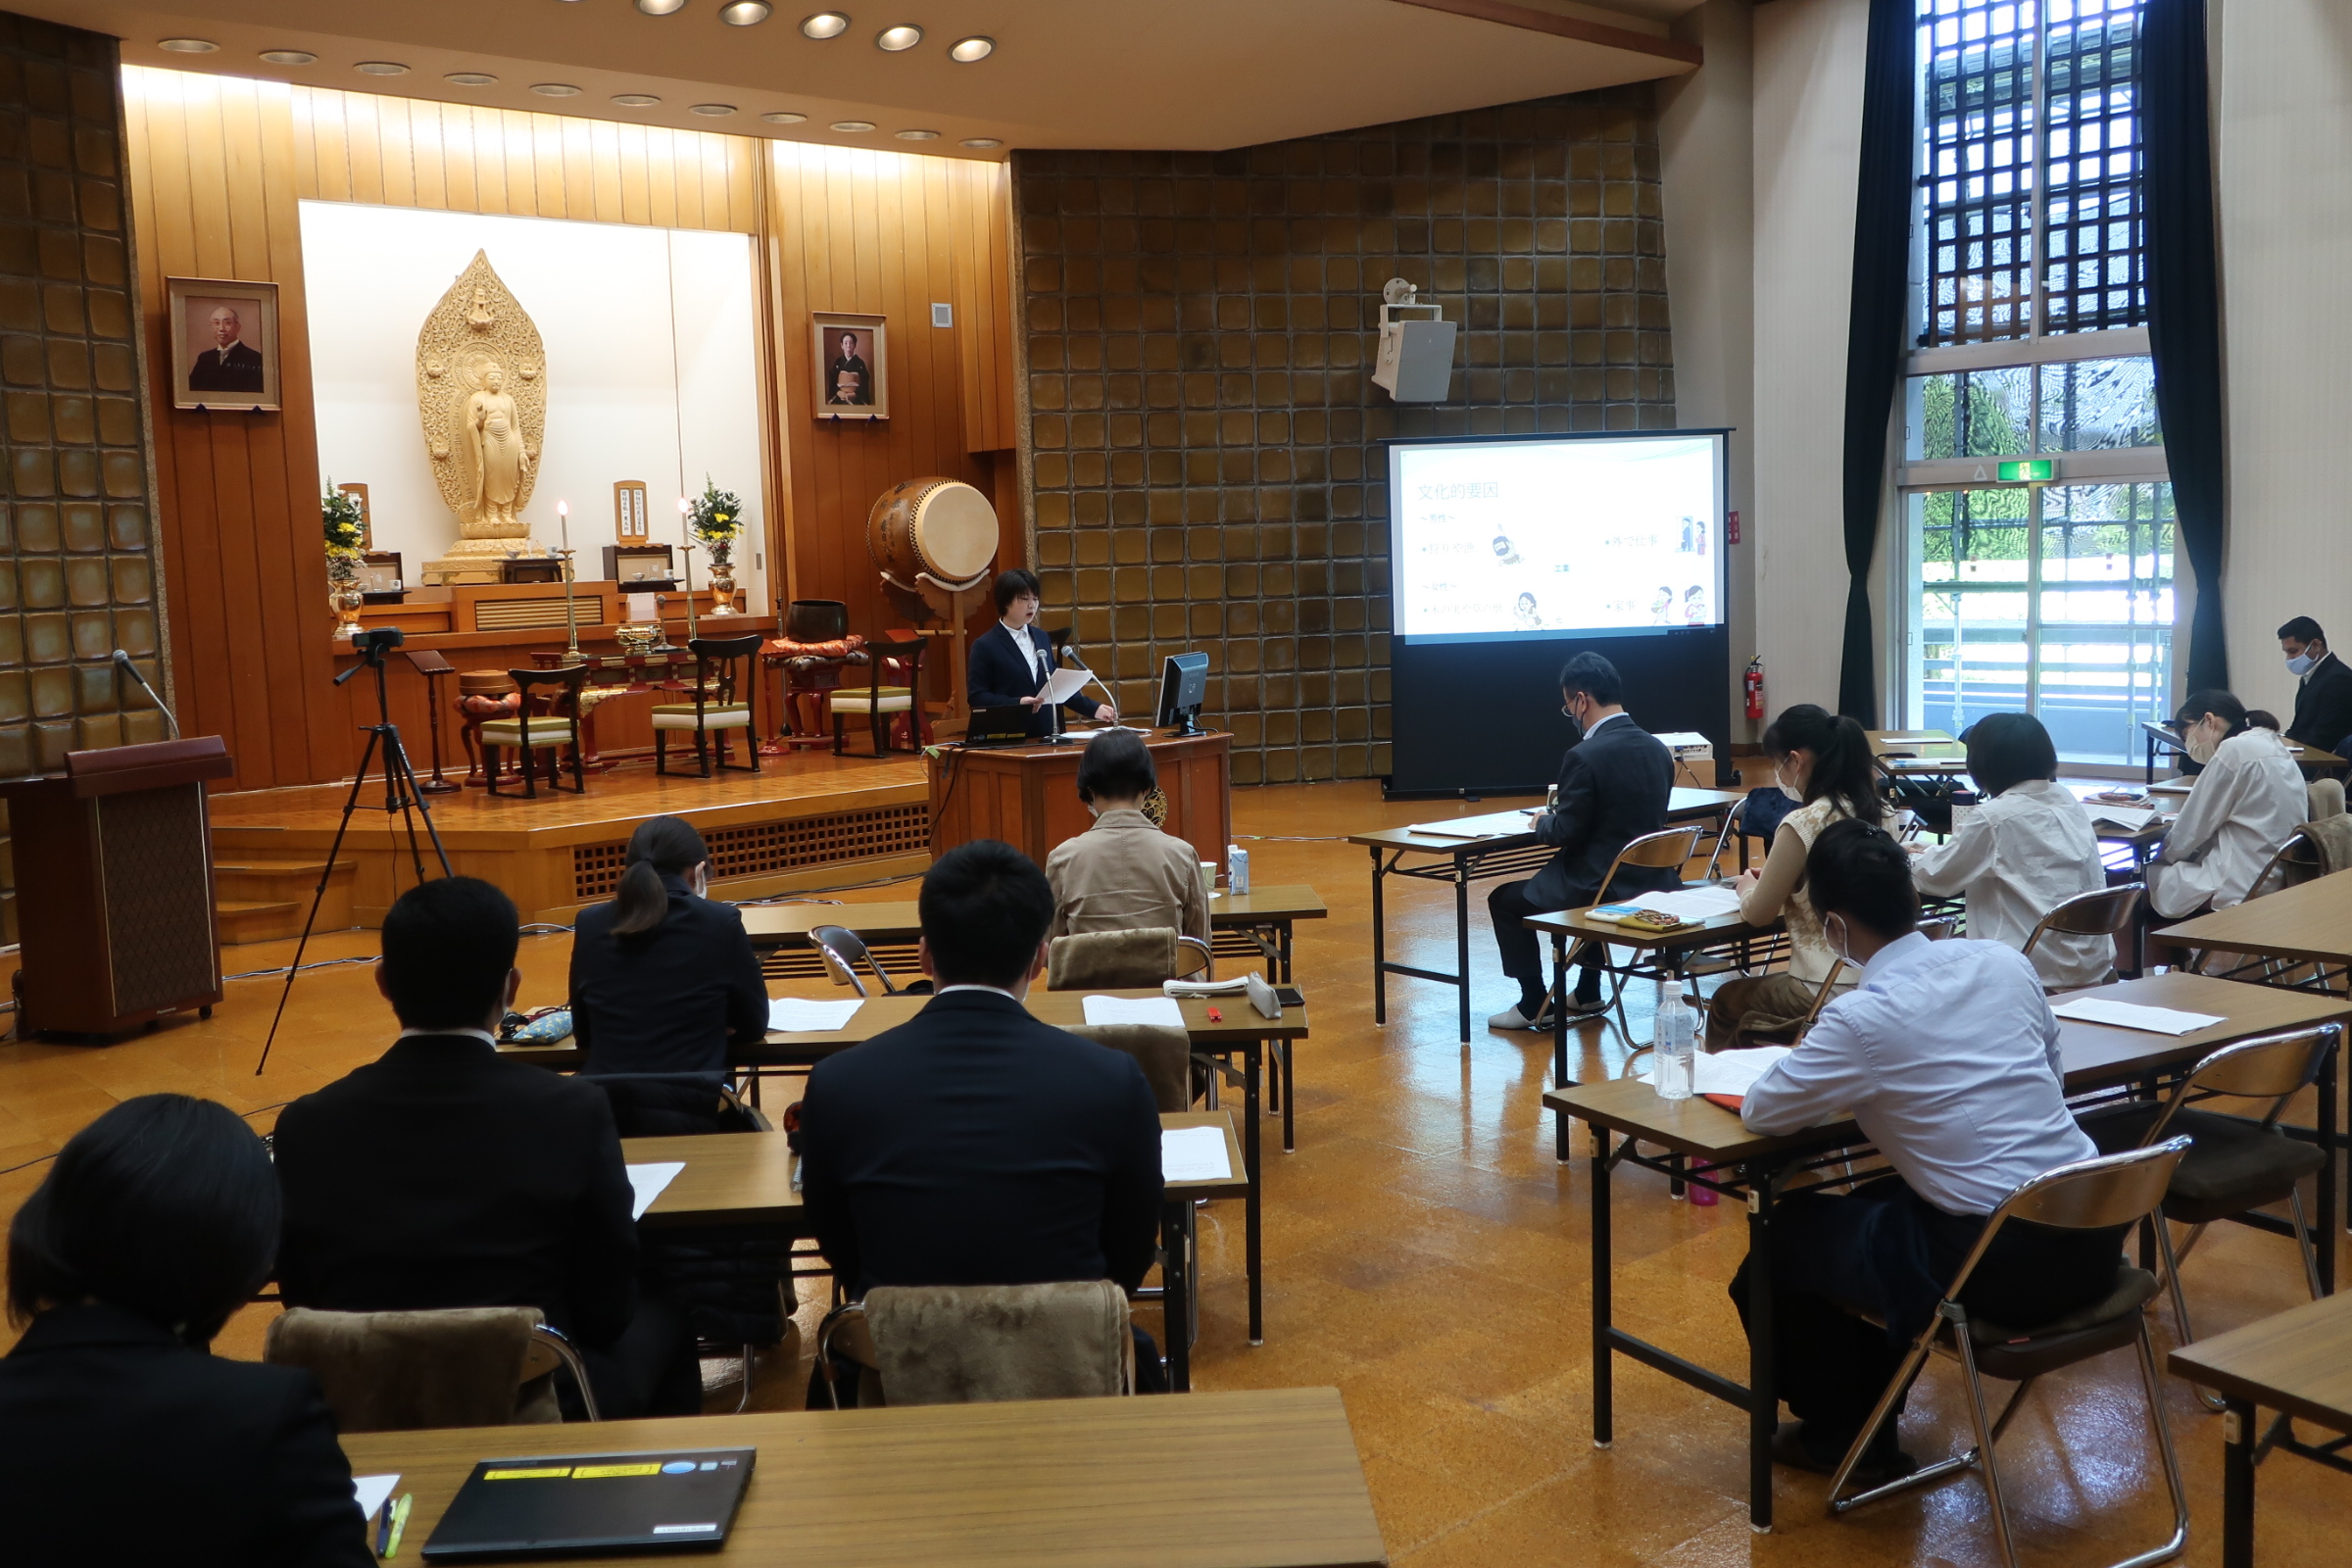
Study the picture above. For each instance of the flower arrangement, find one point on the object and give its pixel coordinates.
(716, 519)
(344, 526)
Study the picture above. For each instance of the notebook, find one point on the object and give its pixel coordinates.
(568, 1506)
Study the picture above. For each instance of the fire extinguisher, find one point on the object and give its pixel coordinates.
(1754, 685)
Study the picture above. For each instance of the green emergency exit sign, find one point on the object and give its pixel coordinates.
(2028, 472)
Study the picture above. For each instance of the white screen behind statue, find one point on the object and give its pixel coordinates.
(1531, 537)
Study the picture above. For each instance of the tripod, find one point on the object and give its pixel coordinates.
(402, 795)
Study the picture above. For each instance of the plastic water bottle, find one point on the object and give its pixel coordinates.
(1674, 1046)
(1237, 870)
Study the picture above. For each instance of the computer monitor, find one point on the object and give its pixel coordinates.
(1183, 688)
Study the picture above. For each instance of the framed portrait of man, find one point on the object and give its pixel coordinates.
(223, 343)
(853, 371)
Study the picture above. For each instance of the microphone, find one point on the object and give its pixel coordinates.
(132, 670)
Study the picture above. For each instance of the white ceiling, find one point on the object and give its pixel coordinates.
(1098, 73)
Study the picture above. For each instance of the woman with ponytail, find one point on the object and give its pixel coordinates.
(1823, 762)
(2248, 800)
(662, 978)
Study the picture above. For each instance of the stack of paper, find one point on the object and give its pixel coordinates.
(2134, 1015)
(1493, 825)
(1703, 902)
(2130, 818)
(1730, 1072)
(1193, 1154)
(1160, 1010)
(797, 1016)
(647, 1182)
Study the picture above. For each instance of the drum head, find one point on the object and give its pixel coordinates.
(955, 531)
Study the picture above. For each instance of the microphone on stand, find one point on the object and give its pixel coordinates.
(123, 659)
(1072, 648)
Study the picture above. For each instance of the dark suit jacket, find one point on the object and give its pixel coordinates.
(446, 1175)
(973, 1144)
(240, 370)
(998, 675)
(2323, 705)
(1614, 786)
(667, 999)
(119, 1444)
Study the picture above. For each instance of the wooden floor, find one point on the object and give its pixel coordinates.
(1426, 1256)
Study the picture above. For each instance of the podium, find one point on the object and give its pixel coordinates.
(115, 888)
(1028, 795)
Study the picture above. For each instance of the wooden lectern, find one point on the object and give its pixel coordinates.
(1028, 795)
(115, 888)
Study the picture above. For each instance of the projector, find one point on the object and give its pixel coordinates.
(1415, 363)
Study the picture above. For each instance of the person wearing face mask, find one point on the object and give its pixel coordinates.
(2027, 849)
(1614, 786)
(1946, 1053)
(2322, 686)
(2246, 803)
(663, 979)
(1123, 873)
(1822, 761)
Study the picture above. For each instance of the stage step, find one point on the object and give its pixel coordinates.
(263, 900)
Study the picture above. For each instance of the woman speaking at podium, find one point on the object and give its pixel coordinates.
(1011, 659)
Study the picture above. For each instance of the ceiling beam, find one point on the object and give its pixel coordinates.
(1559, 27)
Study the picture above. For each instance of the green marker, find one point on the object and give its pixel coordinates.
(400, 1523)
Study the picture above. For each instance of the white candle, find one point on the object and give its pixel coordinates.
(564, 520)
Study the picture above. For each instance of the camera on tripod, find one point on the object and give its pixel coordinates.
(377, 640)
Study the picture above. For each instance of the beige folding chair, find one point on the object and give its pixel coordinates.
(980, 1344)
(413, 1371)
(2098, 1193)
(2101, 912)
(1671, 847)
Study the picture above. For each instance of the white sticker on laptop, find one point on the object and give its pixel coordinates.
(685, 1530)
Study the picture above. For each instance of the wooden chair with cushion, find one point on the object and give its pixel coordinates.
(890, 660)
(982, 1344)
(1114, 961)
(533, 734)
(469, 1366)
(2111, 1190)
(722, 702)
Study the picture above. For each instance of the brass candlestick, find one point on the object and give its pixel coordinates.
(572, 612)
(686, 552)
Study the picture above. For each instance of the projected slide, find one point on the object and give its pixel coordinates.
(1555, 536)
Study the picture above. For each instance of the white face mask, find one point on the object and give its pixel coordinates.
(1836, 943)
(2201, 742)
(1787, 788)
(2300, 665)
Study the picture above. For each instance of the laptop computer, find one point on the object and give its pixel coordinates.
(568, 1506)
(997, 726)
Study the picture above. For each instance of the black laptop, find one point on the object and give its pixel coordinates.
(997, 726)
(568, 1505)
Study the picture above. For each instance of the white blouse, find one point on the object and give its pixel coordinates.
(2247, 803)
(2017, 857)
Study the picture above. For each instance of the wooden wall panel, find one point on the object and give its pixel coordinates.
(980, 200)
(212, 167)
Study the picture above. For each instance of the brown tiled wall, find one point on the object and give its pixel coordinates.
(1202, 432)
(78, 558)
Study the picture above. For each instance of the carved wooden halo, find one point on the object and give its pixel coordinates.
(453, 348)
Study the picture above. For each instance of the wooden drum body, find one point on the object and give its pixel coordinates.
(937, 531)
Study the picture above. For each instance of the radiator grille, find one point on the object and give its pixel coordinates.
(762, 849)
(513, 615)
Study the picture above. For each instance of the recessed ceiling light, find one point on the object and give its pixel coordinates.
(964, 51)
(470, 79)
(635, 100)
(661, 8)
(289, 56)
(380, 67)
(782, 116)
(918, 135)
(555, 89)
(192, 46)
(825, 24)
(853, 125)
(746, 13)
(712, 111)
(895, 40)
(981, 142)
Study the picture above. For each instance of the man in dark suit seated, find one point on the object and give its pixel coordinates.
(1010, 660)
(2322, 686)
(1614, 785)
(973, 1144)
(444, 1174)
(232, 365)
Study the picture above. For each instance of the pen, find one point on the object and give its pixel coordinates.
(399, 1515)
(383, 1527)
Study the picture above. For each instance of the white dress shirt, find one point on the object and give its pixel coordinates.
(2017, 857)
(2249, 799)
(1028, 646)
(1947, 1055)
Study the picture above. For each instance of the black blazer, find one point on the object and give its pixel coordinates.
(446, 1175)
(239, 370)
(973, 1144)
(2323, 705)
(667, 1000)
(999, 674)
(119, 1444)
(1614, 786)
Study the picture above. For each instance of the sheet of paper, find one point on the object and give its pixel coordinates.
(1063, 685)
(373, 1491)
(799, 1015)
(1193, 1154)
(2133, 1015)
(1493, 825)
(2128, 817)
(1701, 902)
(1729, 1072)
(648, 1181)
(1162, 1010)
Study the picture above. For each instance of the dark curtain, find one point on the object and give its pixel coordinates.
(1874, 338)
(2185, 328)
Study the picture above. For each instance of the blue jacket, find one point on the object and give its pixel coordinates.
(998, 675)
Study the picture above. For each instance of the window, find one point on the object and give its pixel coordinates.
(2046, 586)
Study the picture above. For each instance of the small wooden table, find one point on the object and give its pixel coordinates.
(1257, 1479)
(1503, 851)
(1725, 1156)
(748, 1179)
(2299, 1364)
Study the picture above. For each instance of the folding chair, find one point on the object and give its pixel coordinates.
(2088, 1195)
(1671, 847)
(2101, 912)
(843, 949)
